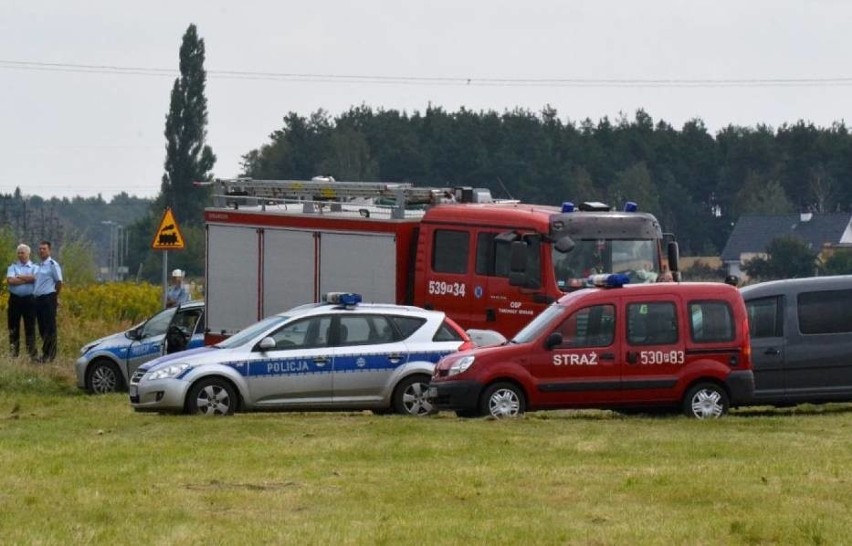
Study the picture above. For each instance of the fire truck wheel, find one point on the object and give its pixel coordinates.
(706, 401)
(409, 397)
(502, 400)
(104, 377)
(212, 396)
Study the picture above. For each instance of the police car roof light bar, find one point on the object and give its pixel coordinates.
(347, 299)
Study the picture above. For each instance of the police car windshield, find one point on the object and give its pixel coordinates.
(158, 324)
(539, 324)
(249, 333)
(637, 258)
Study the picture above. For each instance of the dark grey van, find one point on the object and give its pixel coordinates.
(801, 339)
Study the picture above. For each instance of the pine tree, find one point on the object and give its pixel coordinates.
(188, 158)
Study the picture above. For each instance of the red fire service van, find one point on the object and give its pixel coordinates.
(618, 346)
(488, 264)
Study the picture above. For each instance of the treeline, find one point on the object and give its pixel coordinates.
(697, 183)
(82, 222)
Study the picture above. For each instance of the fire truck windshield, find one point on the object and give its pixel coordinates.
(637, 258)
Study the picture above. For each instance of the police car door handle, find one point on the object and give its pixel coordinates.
(607, 356)
(632, 357)
(320, 360)
(394, 358)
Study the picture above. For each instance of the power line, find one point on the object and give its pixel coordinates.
(437, 80)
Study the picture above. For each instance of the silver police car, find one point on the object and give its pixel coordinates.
(106, 364)
(340, 355)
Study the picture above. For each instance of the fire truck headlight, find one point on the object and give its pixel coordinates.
(461, 365)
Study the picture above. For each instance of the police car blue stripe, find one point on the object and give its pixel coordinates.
(339, 364)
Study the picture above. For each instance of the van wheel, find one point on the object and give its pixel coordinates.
(503, 400)
(212, 396)
(706, 401)
(409, 397)
(104, 377)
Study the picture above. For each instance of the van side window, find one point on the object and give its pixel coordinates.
(766, 317)
(589, 327)
(825, 312)
(651, 323)
(450, 250)
(711, 321)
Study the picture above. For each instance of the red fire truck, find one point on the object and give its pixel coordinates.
(489, 264)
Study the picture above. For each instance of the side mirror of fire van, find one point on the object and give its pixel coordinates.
(553, 340)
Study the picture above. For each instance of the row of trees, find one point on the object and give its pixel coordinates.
(697, 183)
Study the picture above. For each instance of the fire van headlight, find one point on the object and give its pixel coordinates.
(169, 371)
(461, 365)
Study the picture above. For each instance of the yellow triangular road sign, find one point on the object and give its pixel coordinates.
(168, 236)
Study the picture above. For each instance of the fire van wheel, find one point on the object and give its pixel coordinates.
(706, 401)
(212, 396)
(103, 377)
(409, 397)
(503, 400)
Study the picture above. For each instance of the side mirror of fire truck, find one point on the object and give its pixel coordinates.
(674, 257)
(564, 244)
(518, 264)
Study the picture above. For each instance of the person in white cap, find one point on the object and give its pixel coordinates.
(177, 294)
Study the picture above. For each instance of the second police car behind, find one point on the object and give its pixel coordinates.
(339, 355)
(106, 364)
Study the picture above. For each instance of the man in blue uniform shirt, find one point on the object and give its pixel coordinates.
(20, 277)
(48, 284)
(176, 294)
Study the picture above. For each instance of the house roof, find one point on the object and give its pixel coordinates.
(754, 232)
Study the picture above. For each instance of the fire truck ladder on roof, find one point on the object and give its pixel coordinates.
(314, 194)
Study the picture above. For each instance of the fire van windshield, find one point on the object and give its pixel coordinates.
(637, 259)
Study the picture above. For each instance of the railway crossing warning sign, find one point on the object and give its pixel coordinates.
(168, 236)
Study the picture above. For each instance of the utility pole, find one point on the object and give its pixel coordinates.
(115, 264)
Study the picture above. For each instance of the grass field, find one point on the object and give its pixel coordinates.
(78, 469)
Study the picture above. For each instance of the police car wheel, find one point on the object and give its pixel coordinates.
(503, 400)
(212, 396)
(706, 401)
(409, 397)
(103, 377)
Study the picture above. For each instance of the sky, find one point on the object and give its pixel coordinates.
(84, 86)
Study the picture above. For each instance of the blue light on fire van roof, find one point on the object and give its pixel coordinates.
(631, 206)
(567, 206)
(608, 280)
